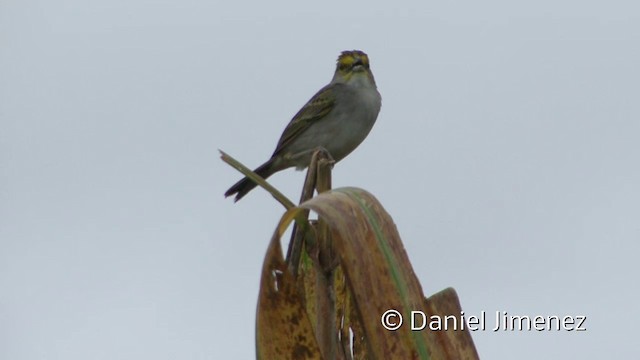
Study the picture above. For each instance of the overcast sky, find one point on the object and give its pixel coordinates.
(506, 151)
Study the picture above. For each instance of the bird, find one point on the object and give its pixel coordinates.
(337, 118)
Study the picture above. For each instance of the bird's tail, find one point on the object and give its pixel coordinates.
(242, 187)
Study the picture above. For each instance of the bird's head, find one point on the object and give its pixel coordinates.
(352, 65)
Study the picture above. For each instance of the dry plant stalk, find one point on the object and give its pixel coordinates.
(326, 299)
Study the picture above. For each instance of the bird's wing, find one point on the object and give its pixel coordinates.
(315, 109)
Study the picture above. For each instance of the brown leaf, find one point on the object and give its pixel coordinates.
(283, 330)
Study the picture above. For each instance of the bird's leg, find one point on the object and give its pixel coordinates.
(329, 158)
(303, 158)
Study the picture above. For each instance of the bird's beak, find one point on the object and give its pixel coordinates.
(358, 65)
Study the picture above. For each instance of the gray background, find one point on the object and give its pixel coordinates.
(506, 152)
